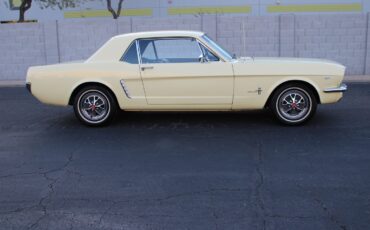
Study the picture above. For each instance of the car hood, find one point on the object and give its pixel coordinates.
(287, 66)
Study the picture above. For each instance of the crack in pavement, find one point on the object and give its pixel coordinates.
(39, 172)
(175, 196)
(292, 217)
(72, 220)
(322, 205)
(258, 191)
(106, 212)
(43, 201)
(199, 193)
(215, 216)
(331, 216)
(50, 186)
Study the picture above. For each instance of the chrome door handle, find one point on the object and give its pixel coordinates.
(146, 67)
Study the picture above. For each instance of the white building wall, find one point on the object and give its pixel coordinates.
(159, 8)
(78, 39)
(21, 46)
(343, 38)
(333, 37)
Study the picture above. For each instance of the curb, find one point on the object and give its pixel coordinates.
(18, 83)
(357, 79)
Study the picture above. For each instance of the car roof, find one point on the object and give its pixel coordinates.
(167, 33)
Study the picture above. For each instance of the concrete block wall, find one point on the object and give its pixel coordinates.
(51, 40)
(209, 25)
(78, 39)
(249, 36)
(21, 45)
(176, 23)
(124, 25)
(287, 35)
(229, 34)
(343, 38)
(337, 37)
(367, 50)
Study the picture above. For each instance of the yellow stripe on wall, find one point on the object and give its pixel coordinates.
(16, 3)
(316, 8)
(106, 13)
(210, 10)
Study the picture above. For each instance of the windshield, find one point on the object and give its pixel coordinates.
(217, 47)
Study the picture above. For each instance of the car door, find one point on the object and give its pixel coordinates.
(175, 71)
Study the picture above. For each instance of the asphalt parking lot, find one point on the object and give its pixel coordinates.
(184, 170)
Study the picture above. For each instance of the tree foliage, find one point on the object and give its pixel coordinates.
(61, 4)
(114, 13)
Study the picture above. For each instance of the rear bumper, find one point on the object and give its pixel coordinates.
(342, 88)
(28, 87)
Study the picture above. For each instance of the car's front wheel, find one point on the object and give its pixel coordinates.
(94, 106)
(293, 104)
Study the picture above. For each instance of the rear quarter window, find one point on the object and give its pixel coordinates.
(130, 56)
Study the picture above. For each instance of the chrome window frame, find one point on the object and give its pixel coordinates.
(211, 51)
(124, 54)
(138, 51)
(219, 55)
(173, 38)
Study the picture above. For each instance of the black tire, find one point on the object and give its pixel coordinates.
(288, 111)
(97, 112)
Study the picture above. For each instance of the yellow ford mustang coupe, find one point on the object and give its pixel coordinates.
(184, 71)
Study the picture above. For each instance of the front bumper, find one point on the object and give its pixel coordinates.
(342, 88)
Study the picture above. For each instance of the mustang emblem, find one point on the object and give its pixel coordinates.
(259, 91)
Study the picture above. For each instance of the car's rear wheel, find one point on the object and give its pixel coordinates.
(94, 106)
(293, 104)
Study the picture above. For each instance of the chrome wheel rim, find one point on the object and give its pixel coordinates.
(94, 106)
(294, 104)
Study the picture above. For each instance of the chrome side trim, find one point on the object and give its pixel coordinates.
(138, 50)
(125, 89)
(341, 88)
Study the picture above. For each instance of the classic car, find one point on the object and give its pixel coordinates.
(184, 71)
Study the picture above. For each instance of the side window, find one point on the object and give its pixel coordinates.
(208, 54)
(148, 52)
(170, 50)
(130, 55)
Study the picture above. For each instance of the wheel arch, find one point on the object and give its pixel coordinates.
(307, 84)
(85, 84)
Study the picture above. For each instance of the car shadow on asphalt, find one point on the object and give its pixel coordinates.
(178, 120)
(189, 119)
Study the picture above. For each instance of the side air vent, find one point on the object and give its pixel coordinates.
(124, 87)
